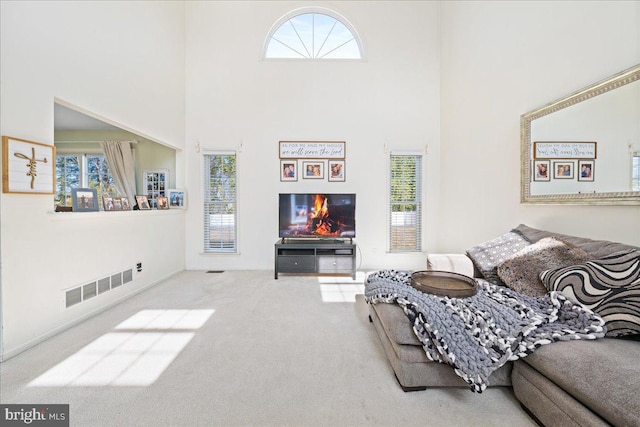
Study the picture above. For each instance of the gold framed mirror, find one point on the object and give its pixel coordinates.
(585, 148)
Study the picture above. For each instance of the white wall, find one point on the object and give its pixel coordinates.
(455, 76)
(120, 60)
(234, 99)
(500, 60)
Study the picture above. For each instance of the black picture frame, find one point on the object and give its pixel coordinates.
(84, 200)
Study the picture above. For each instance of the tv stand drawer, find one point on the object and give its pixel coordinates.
(297, 264)
(335, 264)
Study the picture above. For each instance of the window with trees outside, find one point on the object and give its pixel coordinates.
(313, 33)
(220, 203)
(405, 197)
(82, 171)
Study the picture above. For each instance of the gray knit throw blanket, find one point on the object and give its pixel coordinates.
(479, 334)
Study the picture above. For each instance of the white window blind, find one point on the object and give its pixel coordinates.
(220, 203)
(635, 171)
(405, 203)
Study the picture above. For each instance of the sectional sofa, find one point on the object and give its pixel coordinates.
(570, 383)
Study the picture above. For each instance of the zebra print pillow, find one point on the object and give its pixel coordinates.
(609, 286)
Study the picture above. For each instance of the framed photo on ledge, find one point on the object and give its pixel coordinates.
(107, 204)
(162, 202)
(177, 198)
(84, 200)
(143, 203)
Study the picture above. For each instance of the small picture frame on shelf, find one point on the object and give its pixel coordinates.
(288, 170)
(143, 203)
(563, 170)
(163, 203)
(84, 200)
(177, 198)
(313, 169)
(585, 170)
(336, 170)
(117, 203)
(541, 170)
(126, 206)
(107, 204)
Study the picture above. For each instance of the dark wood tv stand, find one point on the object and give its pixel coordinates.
(315, 256)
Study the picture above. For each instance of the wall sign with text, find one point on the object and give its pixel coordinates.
(312, 149)
(564, 150)
(27, 167)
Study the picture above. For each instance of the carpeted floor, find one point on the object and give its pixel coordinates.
(238, 348)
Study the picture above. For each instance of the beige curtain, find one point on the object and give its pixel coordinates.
(120, 159)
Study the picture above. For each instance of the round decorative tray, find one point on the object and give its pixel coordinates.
(444, 283)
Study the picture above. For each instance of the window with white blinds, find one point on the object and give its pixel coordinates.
(635, 171)
(220, 203)
(405, 203)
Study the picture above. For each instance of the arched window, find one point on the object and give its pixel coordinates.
(313, 33)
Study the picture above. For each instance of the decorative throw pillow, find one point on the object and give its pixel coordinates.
(486, 256)
(521, 270)
(609, 286)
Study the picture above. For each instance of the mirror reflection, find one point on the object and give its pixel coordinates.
(585, 148)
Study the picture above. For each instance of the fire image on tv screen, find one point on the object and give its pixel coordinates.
(317, 215)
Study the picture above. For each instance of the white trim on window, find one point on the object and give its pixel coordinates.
(406, 201)
(220, 205)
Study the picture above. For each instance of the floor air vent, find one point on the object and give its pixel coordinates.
(215, 271)
(92, 289)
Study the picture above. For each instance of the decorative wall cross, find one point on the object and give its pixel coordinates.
(31, 164)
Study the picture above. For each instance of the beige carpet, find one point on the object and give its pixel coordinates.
(238, 348)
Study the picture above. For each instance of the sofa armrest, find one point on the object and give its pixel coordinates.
(456, 263)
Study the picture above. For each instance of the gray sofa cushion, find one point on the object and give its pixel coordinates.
(595, 248)
(604, 375)
(397, 325)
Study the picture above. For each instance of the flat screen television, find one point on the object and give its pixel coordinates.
(309, 215)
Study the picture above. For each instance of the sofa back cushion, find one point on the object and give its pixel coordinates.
(595, 248)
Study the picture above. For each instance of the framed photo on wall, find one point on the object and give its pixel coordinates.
(84, 200)
(336, 170)
(313, 169)
(563, 170)
(289, 170)
(541, 170)
(585, 170)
